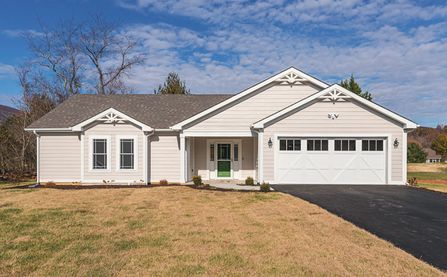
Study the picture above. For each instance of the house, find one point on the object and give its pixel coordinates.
(288, 129)
(432, 157)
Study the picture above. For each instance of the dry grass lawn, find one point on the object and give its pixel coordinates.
(182, 231)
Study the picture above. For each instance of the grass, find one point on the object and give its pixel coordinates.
(429, 176)
(181, 231)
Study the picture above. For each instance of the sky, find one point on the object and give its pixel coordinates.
(397, 49)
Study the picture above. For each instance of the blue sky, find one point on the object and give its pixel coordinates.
(397, 49)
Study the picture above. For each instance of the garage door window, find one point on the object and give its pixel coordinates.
(372, 145)
(317, 145)
(289, 145)
(344, 145)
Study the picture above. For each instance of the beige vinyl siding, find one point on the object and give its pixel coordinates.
(244, 113)
(164, 157)
(114, 174)
(248, 158)
(353, 118)
(60, 157)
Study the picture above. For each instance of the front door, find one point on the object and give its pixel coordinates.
(224, 160)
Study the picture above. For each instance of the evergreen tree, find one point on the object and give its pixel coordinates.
(352, 85)
(415, 153)
(172, 85)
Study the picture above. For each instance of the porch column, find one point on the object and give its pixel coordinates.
(182, 158)
(145, 158)
(260, 155)
(82, 155)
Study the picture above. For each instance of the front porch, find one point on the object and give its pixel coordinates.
(220, 160)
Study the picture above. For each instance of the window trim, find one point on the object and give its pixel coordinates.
(90, 153)
(286, 139)
(118, 153)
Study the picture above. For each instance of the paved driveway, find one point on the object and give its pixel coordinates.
(412, 219)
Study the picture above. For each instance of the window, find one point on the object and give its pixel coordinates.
(290, 144)
(212, 152)
(99, 153)
(317, 145)
(127, 156)
(236, 152)
(344, 145)
(372, 145)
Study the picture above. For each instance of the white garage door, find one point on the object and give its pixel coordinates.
(330, 160)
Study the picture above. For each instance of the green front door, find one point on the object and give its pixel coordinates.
(224, 160)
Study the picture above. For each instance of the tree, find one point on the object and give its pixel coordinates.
(415, 153)
(172, 85)
(440, 145)
(352, 85)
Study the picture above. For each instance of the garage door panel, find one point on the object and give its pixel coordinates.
(331, 167)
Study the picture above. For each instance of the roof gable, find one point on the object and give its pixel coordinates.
(290, 76)
(336, 93)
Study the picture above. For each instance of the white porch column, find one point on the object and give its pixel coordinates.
(182, 158)
(37, 158)
(82, 155)
(260, 156)
(404, 157)
(145, 158)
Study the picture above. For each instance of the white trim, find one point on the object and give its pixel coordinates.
(408, 124)
(46, 180)
(274, 78)
(217, 134)
(90, 153)
(145, 157)
(118, 153)
(79, 127)
(260, 156)
(48, 129)
(404, 156)
(101, 181)
(82, 155)
(388, 147)
(37, 158)
(182, 142)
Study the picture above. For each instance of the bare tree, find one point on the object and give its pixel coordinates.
(57, 50)
(112, 55)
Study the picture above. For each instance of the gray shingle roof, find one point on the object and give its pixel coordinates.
(156, 111)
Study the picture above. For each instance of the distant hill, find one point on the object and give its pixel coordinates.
(5, 112)
(425, 135)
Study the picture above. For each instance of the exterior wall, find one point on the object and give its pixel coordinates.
(353, 119)
(164, 157)
(248, 158)
(113, 174)
(243, 114)
(60, 157)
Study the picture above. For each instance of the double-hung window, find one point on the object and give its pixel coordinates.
(127, 153)
(100, 154)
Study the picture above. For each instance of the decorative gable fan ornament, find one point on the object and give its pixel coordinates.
(334, 96)
(112, 118)
(291, 79)
(333, 116)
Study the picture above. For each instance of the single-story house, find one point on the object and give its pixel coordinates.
(291, 128)
(432, 157)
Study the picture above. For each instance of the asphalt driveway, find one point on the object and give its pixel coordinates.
(413, 219)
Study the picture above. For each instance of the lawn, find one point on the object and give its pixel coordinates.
(184, 231)
(429, 176)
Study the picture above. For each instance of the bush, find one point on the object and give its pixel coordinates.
(197, 180)
(415, 153)
(265, 187)
(249, 181)
(412, 182)
(164, 182)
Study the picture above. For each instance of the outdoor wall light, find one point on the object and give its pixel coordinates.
(270, 143)
(396, 143)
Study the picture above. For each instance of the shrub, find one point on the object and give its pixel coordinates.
(412, 181)
(265, 187)
(164, 182)
(415, 153)
(249, 181)
(197, 180)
